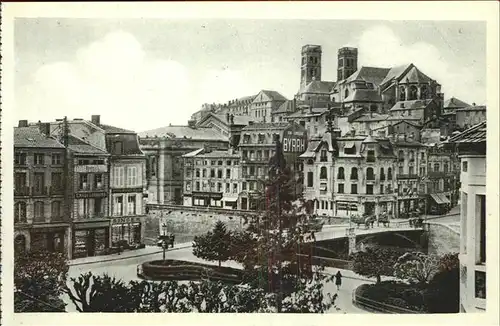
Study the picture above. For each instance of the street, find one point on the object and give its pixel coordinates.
(125, 269)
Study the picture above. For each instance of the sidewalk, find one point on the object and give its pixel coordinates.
(149, 250)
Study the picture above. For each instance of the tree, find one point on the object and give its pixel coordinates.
(39, 280)
(214, 245)
(375, 262)
(416, 267)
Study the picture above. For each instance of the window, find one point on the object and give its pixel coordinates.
(370, 156)
(436, 167)
(39, 188)
(340, 188)
(235, 188)
(197, 186)
(350, 149)
(323, 157)
(219, 173)
(118, 206)
(480, 285)
(20, 158)
(323, 173)
(340, 174)
(39, 159)
(411, 170)
(131, 206)
(354, 189)
(481, 229)
(188, 186)
(310, 178)
(39, 212)
(400, 170)
(20, 183)
(445, 167)
(98, 209)
(369, 174)
(402, 94)
(228, 173)
(20, 212)
(119, 176)
(252, 170)
(153, 166)
(118, 147)
(132, 177)
(98, 181)
(413, 93)
(464, 166)
(389, 174)
(251, 185)
(55, 210)
(381, 189)
(244, 186)
(369, 189)
(56, 159)
(212, 173)
(212, 162)
(382, 174)
(412, 156)
(219, 162)
(354, 174)
(422, 156)
(401, 156)
(219, 187)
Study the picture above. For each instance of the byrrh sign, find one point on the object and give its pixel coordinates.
(294, 139)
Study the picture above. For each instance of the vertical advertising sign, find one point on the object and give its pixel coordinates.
(294, 139)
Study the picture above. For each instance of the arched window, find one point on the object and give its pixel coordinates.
(412, 156)
(402, 93)
(19, 244)
(424, 91)
(346, 93)
(382, 174)
(354, 174)
(323, 174)
(39, 212)
(340, 174)
(369, 174)
(389, 174)
(20, 212)
(413, 93)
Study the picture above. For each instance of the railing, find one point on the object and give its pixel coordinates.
(200, 209)
(379, 306)
(407, 176)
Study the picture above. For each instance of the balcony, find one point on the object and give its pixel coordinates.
(370, 159)
(407, 176)
(43, 191)
(56, 190)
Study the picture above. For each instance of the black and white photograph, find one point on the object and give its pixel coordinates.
(245, 165)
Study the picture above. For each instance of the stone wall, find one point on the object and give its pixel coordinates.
(443, 239)
(186, 224)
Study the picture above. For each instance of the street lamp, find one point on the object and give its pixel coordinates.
(163, 241)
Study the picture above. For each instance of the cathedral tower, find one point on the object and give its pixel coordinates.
(348, 62)
(311, 64)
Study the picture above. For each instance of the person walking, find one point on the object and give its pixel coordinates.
(338, 280)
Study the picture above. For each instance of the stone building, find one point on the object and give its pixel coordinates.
(41, 208)
(212, 178)
(442, 179)
(365, 180)
(228, 125)
(164, 148)
(470, 116)
(264, 104)
(471, 147)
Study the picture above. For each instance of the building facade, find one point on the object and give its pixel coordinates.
(41, 207)
(264, 104)
(470, 116)
(471, 146)
(212, 179)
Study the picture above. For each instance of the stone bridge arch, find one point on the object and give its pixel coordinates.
(419, 244)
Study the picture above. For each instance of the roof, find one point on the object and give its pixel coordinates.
(319, 87)
(273, 95)
(410, 105)
(364, 95)
(129, 144)
(115, 130)
(267, 125)
(475, 134)
(286, 107)
(373, 75)
(454, 103)
(474, 108)
(312, 112)
(242, 120)
(406, 143)
(372, 117)
(184, 132)
(32, 137)
(414, 75)
(394, 73)
(79, 146)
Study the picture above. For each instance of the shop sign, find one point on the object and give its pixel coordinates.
(90, 194)
(127, 190)
(91, 225)
(294, 139)
(126, 220)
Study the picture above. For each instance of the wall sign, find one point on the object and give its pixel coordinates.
(294, 139)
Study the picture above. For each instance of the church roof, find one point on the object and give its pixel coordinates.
(410, 105)
(373, 75)
(454, 103)
(394, 73)
(414, 75)
(364, 95)
(319, 87)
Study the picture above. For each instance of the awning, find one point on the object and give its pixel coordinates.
(440, 199)
(349, 144)
(229, 199)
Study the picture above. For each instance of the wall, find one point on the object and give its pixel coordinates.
(443, 239)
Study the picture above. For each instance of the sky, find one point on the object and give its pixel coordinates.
(142, 74)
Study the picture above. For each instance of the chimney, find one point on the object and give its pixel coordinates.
(227, 117)
(23, 123)
(96, 119)
(473, 104)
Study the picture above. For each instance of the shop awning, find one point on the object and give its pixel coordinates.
(440, 199)
(232, 199)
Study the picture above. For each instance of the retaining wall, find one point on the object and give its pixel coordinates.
(443, 239)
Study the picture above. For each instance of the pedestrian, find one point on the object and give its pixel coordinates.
(338, 280)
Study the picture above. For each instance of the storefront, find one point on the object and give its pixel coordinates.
(346, 208)
(439, 204)
(90, 239)
(127, 229)
(50, 239)
(212, 199)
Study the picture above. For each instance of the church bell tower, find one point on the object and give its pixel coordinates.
(311, 64)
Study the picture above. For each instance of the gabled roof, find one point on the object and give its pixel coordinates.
(272, 95)
(475, 134)
(286, 107)
(364, 95)
(319, 87)
(312, 112)
(176, 132)
(115, 130)
(372, 117)
(395, 72)
(373, 75)
(267, 125)
(414, 75)
(474, 108)
(240, 120)
(454, 103)
(31, 137)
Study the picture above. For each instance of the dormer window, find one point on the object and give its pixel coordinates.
(350, 148)
(246, 139)
(323, 157)
(118, 147)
